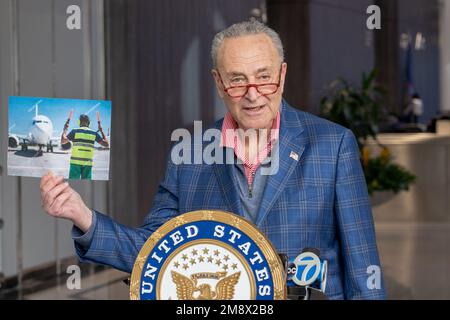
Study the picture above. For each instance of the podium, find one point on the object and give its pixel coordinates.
(209, 255)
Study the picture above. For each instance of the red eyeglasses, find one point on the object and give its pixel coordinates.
(264, 89)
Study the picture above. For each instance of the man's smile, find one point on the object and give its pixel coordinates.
(254, 110)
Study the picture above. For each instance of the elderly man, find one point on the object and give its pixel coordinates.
(316, 197)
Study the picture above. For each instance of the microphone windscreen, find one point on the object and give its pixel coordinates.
(284, 259)
(313, 250)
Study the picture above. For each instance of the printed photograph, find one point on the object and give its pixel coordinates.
(70, 137)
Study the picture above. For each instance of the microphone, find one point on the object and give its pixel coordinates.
(307, 276)
(293, 292)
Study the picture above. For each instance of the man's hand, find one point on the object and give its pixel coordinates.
(60, 200)
(104, 143)
(64, 138)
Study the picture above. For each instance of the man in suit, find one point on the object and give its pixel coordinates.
(301, 184)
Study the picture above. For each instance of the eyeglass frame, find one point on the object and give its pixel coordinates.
(250, 85)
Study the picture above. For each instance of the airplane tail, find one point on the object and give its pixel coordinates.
(37, 107)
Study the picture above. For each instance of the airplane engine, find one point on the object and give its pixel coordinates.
(13, 141)
(67, 146)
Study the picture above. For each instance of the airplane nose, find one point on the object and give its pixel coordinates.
(41, 134)
(40, 127)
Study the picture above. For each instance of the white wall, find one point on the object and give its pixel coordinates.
(54, 62)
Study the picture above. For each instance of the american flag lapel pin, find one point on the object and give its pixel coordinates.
(294, 155)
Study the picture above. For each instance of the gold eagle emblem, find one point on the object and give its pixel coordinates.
(186, 287)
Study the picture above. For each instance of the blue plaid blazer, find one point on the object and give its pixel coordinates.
(319, 200)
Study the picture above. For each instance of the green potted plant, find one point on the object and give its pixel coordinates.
(361, 110)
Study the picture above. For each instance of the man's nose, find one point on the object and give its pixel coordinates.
(252, 94)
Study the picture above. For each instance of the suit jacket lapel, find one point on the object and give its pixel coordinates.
(227, 181)
(228, 186)
(291, 146)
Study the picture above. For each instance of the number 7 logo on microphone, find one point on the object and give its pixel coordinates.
(308, 268)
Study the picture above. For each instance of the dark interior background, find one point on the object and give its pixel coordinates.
(158, 69)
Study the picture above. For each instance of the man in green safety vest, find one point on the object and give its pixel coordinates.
(83, 139)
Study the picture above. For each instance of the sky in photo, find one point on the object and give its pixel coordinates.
(22, 110)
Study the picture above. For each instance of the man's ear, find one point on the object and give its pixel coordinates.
(218, 83)
(283, 75)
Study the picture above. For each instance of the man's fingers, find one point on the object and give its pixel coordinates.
(60, 201)
(51, 183)
(49, 174)
(50, 196)
(44, 180)
(53, 193)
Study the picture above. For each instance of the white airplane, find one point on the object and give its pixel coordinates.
(40, 133)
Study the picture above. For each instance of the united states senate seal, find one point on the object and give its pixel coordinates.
(208, 255)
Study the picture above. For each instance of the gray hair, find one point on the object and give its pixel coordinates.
(245, 28)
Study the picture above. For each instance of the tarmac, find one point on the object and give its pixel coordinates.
(31, 163)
